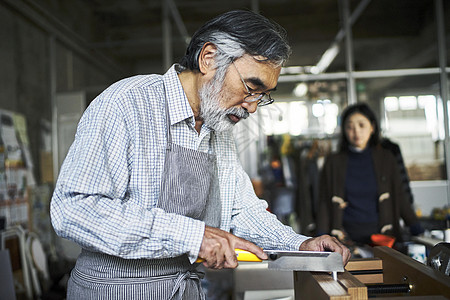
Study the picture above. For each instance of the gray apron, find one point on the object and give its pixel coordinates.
(190, 188)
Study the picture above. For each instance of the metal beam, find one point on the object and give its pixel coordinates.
(178, 21)
(361, 74)
(325, 60)
(52, 83)
(444, 84)
(355, 16)
(167, 36)
(255, 6)
(351, 87)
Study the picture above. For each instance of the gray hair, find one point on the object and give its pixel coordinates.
(236, 33)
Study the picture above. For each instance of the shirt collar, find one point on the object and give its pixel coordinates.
(358, 150)
(179, 107)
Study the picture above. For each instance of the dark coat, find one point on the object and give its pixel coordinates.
(393, 204)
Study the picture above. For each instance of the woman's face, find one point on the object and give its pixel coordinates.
(358, 130)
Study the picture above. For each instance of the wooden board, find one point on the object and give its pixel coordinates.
(355, 288)
(366, 264)
(370, 278)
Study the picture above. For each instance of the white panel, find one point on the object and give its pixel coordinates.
(429, 195)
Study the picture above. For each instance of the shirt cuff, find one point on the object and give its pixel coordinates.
(193, 254)
(295, 242)
(179, 235)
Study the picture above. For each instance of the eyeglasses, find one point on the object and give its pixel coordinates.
(263, 99)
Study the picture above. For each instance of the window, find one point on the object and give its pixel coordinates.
(413, 121)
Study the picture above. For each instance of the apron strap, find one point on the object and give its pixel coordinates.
(180, 284)
(169, 133)
(180, 279)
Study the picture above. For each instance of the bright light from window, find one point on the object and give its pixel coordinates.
(331, 114)
(426, 100)
(280, 124)
(298, 117)
(428, 103)
(318, 110)
(300, 89)
(440, 113)
(407, 102)
(294, 118)
(391, 103)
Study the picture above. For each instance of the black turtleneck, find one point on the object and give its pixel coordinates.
(361, 194)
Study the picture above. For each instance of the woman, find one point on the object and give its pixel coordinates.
(361, 189)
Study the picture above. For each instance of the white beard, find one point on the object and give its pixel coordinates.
(213, 115)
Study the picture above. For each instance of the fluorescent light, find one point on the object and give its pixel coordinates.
(327, 58)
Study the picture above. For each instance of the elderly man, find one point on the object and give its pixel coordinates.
(152, 181)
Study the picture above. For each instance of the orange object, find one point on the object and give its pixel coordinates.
(382, 240)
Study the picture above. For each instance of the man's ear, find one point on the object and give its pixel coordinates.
(206, 57)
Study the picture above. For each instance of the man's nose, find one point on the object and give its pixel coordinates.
(250, 107)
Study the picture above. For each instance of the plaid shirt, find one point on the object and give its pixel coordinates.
(106, 194)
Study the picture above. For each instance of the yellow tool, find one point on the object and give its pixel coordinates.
(241, 255)
(244, 255)
(316, 261)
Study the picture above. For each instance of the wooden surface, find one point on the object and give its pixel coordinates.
(354, 287)
(318, 286)
(370, 278)
(400, 269)
(366, 264)
(397, 268)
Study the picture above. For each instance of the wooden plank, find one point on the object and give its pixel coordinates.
(370, 278)
(399, 268)
(318, 286)
(364, 264)
(355, 288)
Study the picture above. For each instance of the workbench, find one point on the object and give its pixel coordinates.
(389, 275)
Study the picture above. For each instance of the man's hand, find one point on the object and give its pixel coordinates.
(326, 243)
(217, 249)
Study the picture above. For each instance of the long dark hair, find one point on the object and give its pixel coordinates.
(365, 110)
(236, 33)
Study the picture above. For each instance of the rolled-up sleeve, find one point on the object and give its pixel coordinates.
(252, 221)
